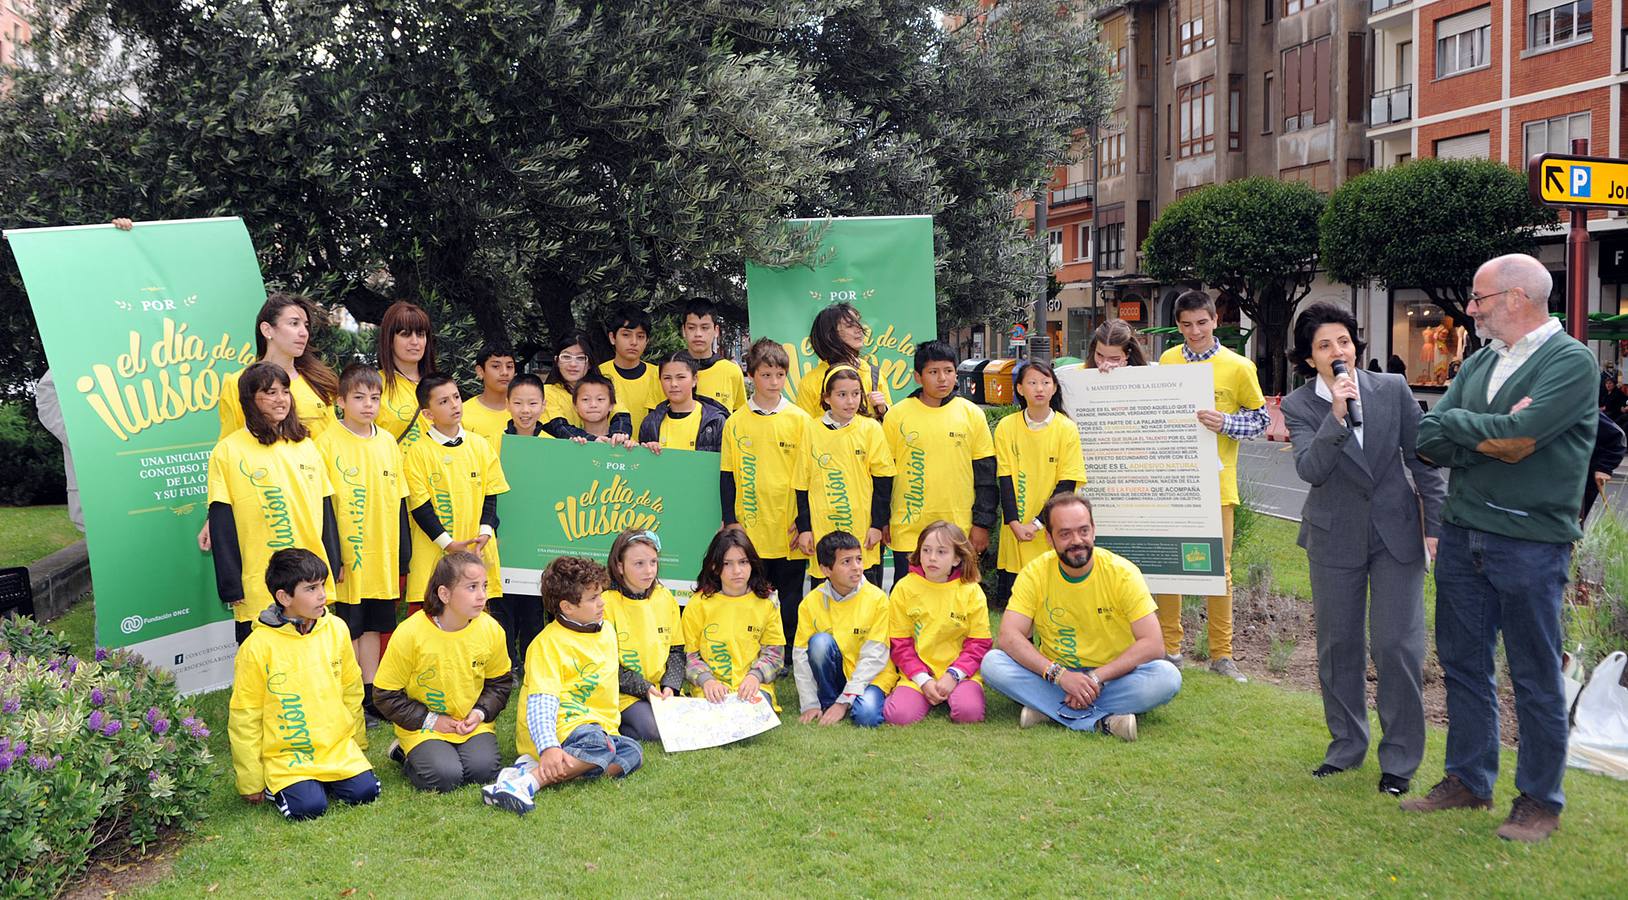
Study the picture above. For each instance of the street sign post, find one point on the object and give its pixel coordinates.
(1578, 182)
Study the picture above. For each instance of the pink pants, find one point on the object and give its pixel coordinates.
(906, 706)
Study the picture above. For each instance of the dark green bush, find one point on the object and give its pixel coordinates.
(33, 458)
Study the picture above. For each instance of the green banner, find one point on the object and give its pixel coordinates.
(883, 265)
(569, 499)
(139, 328)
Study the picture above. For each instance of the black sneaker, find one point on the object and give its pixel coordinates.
(1394, 785)
(395, 752)
(1325, 770)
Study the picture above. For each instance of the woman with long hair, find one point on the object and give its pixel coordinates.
(406, 355)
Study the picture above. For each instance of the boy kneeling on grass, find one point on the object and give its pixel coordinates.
(840, 656)
(296, 710)
(568, 726)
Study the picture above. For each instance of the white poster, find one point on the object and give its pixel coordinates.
(1152, 470)
(692, 723)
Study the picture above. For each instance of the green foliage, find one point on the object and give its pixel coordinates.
(97, 758)
(1256, 241)
(33, 457)
(1598, 619)
(517, 167)
(1429, 224)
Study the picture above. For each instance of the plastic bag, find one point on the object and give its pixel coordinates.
(1599, 739)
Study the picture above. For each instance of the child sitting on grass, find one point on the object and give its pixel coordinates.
(733, 639)
(939, 630)
(295, 718)
(840, 656)
(645, 617)
(568, 727)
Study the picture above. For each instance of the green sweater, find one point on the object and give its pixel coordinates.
(1538, 496)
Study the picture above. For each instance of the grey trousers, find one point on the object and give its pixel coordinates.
(639, 722)
(443, 766)
(1383, 600)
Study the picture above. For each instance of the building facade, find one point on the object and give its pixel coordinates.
(14, 33)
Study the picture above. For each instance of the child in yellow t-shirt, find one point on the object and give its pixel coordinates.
(444, 680)
(295, 718)
(845, 480)
(683, 420)
(838, 337)
(487, 413)
(763, 446)
(370, 503)
(732, 636)
(453, 481)
(840, 655)
(944, 457)
(939, 628)
(568, 727)
(268, 491)
(635, 381)
(593, 398)
(717, 377)
(573, 359)
(644, 615)
(521, 615)
(1037, 454)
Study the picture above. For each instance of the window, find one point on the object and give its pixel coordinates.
(1190, 32)
(1290, 7)
(1235, 112)
(1562, 23)
(1054, 246)
(1111, 150)
(1466, 146)
(1306, 73)
(1555, 135)
(1270, 9)
(1266, 103)
(1317, 175)
(1195, 118)
(1111, 246)
(1463, 42)
(1082, 242)
(1114, 38)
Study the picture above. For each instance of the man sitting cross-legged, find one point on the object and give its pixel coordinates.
(1100, 656)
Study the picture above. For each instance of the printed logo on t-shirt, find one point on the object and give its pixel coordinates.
(292, 728)
(915, 476)
(719, 659)
(1066, 643)
(273, 508)
(575, 703)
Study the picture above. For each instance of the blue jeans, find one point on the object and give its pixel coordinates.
(1149, 685)
(1486, 583)
(596, 747)
(309, 798)
(826, 661)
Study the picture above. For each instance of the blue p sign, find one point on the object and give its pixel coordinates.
(1580, 181)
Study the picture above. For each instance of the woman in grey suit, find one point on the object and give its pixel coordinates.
(1368, 535)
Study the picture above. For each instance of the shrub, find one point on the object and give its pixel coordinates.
(1599, 621)
(97, 758)
(33, 458)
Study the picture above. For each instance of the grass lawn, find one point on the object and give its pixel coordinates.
(1215, 799)
(28, 533)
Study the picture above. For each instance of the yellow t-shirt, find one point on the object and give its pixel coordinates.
(637, 395)
(1035, 460)
(456, 482)
(398, 410)
(580, 669)
(315, 414)
(487, 423)
(369, 486)
(1085, 623)
(296, 707)
(861, 618)
(763, 452)
(682, 432)
(836, 472)
(933, 451)
(810, 387)
(941, 617)
(1236, 387)
(724, 382)
(445, 671)
(646, 632)
(729, 633)
(276, 494)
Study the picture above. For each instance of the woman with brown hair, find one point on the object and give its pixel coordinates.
(282, 333)
(406, 354)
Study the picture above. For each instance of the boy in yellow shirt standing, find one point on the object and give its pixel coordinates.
(763, 446)
(944, 457)
(487, 413)
(1239, 415)
(568, 727)
(296, 710)
(370, 505)
(716, 377)
(841, 655)
(638, 389)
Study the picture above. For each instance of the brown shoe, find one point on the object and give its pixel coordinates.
(1528, 821)
(1449, 793)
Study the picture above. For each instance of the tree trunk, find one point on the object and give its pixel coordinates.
(552, 293)
(1272, 313)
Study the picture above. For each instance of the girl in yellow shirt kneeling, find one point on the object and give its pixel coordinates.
(939, 629)
(644, 615)
(733, 638)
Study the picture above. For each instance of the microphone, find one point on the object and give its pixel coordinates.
(1353, 407)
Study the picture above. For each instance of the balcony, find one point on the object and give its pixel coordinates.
(1078, 192)
(1390, 105)
(1378, 6)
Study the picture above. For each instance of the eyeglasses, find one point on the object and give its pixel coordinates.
(573, 358)
(1483, 298)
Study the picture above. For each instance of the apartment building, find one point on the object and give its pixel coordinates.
(14, 32)
(1503, 80)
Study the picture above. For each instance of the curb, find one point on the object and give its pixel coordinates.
(59, 581)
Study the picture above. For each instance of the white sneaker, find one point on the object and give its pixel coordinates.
(1122, 726)
(1030, 717)
(510, 794)
(1175, 659)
